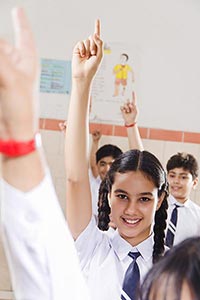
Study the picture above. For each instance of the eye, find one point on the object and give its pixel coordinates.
(122, 196)
(145, 199)
(184, 177)
(171, 175)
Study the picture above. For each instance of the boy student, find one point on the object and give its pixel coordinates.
(183, 214)
(102, 158)
(40, 250)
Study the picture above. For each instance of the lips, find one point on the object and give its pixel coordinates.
(175, 188)
(131, 221)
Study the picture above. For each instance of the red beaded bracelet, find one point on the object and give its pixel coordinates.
(130, 125)
(14, 148)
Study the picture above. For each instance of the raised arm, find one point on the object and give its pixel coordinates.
(40, 250)
(19, 73)
(130, 113)
(86, 58)
(96, 135)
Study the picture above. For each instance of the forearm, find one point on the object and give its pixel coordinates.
(77, 134)
(134, 139)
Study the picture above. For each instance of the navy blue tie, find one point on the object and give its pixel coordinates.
(172, 227)
(131, 279)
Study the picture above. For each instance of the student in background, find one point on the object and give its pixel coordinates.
(176, 275)
(39, 248)
(183, 214)
(135, 189)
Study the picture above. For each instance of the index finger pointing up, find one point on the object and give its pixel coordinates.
(97, 28)
(23, 34)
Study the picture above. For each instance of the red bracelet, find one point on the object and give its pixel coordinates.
(130, 125)
(14, 148)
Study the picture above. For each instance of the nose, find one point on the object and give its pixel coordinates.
(176, 179)
(131, 207)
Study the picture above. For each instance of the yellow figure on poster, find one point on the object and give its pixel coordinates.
(121, 72)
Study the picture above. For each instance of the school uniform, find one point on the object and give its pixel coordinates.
(94, 186)
(188, 219)
(40, 250)
(104, 260)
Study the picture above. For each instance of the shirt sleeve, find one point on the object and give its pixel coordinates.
(40, 250)
(88, 243)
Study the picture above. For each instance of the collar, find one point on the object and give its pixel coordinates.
(122, 247)
(173, 201)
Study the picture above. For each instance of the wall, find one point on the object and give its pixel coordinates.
(165, 32)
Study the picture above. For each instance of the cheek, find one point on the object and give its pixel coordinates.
(116, 205)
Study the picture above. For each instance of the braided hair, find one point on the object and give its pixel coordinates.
(151, 168)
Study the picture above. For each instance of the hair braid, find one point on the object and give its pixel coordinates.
(103, 206)
(159, 230)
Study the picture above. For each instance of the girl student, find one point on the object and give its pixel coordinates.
(134, 192)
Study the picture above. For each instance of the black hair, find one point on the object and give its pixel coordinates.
(108, 150)
(126, 55)
(181, 264)
(184, 160)
(149, 165)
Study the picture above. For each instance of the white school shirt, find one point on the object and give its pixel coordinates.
(94, 187)
(104, 261)
(41, 255)
(188, 221)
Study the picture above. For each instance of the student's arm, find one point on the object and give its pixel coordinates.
(40, 251)
(87, 56)
(18, 100)
(96, 135)
(130, 113)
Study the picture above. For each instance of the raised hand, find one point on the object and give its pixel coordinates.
(96, 136)
(87, 55)
(18, 82)
(129, 110)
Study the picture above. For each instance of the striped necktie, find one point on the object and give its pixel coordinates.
(131, 279)
(172, 227)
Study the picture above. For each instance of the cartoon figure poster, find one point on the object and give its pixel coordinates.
(114, 82)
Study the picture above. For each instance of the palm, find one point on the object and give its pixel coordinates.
(83, 67)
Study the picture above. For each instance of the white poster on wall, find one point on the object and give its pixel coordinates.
(114, 83)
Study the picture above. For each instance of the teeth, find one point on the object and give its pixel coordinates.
(131, 221)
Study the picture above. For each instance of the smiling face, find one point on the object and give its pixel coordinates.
(133, 200)
(181, 183)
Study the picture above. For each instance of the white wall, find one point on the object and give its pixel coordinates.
(166, 32)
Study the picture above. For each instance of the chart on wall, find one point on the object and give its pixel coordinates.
(55, 76)
(114, 83)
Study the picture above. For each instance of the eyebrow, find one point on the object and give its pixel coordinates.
(183, 173)
(140, 194)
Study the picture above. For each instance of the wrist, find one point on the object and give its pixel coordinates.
(128, 125)
(16, 148)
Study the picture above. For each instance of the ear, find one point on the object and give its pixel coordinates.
(195, 183)
(160, 200)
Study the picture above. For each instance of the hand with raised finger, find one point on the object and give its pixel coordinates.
(87, 56)
(19, 82)
(63, 126)
(96, 136)
(129, 110)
